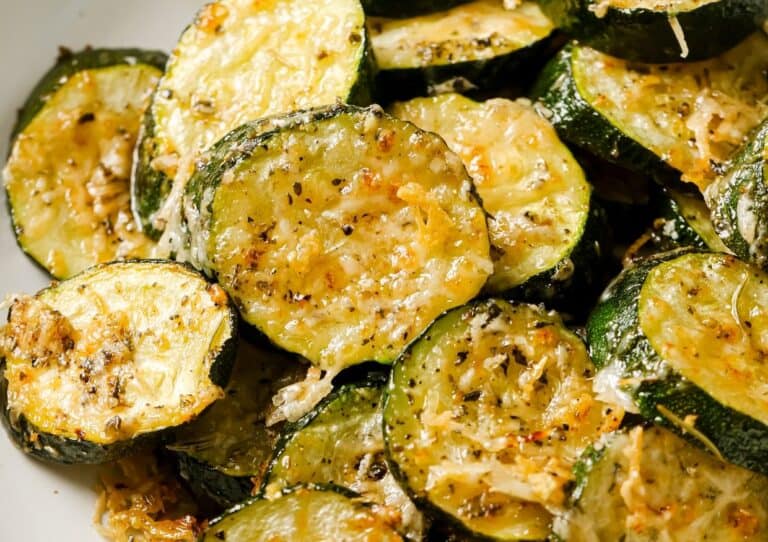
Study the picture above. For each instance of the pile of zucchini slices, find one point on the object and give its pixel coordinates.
(314, 257)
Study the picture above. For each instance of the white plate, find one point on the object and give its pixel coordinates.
(41, 503)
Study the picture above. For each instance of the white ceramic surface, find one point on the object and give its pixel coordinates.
(41, 503)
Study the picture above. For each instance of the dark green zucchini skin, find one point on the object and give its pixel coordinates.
(745, 180)
(404, 8)
(70, 63)
(615, 337)
(644, 35)
(207, 482)
(58, 449)
(581, 125)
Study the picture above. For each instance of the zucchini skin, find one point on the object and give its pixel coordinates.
(580, 124)
(207, 482)
(59, 449)
(69, 64)
(614, 336)
(407, 8)
(645, 35)
(746, 181)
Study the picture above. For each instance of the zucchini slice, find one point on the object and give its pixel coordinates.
(685, 221)
(238, 61)
(739, 200)
(661, 120)
(486, 414)
(67, 175)
(320, 515)
(112, 357)
(224, 453)
(538, 201)
(648, 484)
(480, 44)
(341, 234)
(680, 338)
(341, 442)
(658, 30)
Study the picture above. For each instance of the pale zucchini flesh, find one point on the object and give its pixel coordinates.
(535, 192)
(67, 176)
(486, 414)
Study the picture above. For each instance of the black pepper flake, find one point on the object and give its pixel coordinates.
(461, 357)
(354, 37)
(472, 396)
(347, 229)
(86, 118)
(337, 182)
(297, 188)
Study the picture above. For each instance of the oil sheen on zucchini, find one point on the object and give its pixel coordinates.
(67, 175)
(685, 221)
(486, 414)
(341, 442)
(739, 200)
(648, 484)
(319, 515)
(681, 338)
(238, 61)
(535, 193)
(224, 453)
(340, 235)
(113, 356)
(658, 30)
(479, 44)
(663, 120)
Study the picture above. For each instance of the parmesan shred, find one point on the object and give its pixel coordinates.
(141, 501)
(677, 29)
(600, 9)
(295, 400)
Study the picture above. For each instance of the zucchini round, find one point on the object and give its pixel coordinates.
(541, 220)
(224, 453)
(241, 60)
(680, 339)
(658, 30)
(311, 513)
(341, 234)
(739, 200)
(648, 484)
(112, 357)
(67, 174)
(476, 45)
(663, 120)
(341, 442)
(486, 414)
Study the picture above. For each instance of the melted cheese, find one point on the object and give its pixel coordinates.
(68, 173)
(704, 315)
(479, 30)
(122, 350)
(693, 115)
(532, 188)
(343, 239)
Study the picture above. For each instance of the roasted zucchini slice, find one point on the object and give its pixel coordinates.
(662, 120)
(648, 484)
(658, 30)
(739, 200)
(341, 442)
(320, 515)
(67, 175)
(685, 221)
(238, 61)
(112, 357)
(541, 221)
(480, 44)
(341, 234)
(680, 339)
(224, 453)
(486, 414)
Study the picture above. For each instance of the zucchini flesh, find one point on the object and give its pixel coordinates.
(481, 43)
(679, 339)
(341, 235)
(649, 484)
(341, 442)
(224, 453)
(303, 514)
(231, 66)
(67, 175)
(535, 193)
(688, 117)
(121, 351)
(486, 414)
